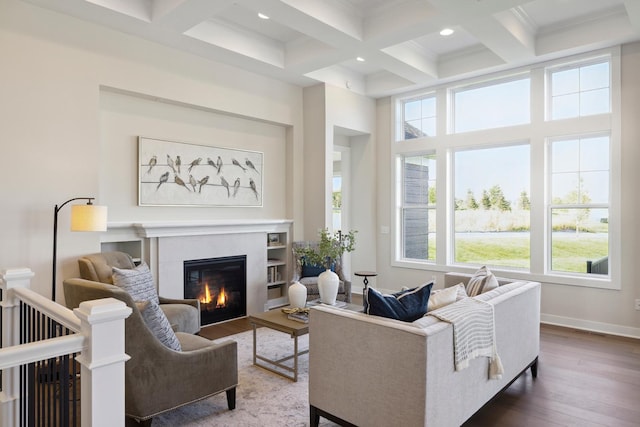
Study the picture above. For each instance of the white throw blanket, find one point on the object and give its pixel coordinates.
(473, 333)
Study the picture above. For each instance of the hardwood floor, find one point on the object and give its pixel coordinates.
(584, 379)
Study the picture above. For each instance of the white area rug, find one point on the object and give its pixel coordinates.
(262, 397)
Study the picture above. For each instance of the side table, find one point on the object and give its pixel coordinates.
(366, 275)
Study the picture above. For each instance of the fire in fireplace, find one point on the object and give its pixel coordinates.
(221, 286)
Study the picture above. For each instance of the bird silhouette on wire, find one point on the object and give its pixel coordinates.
(225, 184)
(250, 164)
(180, 182)
(152, 162)
(170, 163)
(219, 164)
(196, 162)
(202, 182)
(193, 182)
(163, 178)
(178, 163)
(237, 163)
(252, 184)
(236, 185)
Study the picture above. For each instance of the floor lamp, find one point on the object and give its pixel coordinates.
(87, 217)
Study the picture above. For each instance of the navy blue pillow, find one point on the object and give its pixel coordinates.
(407, 305)
(312, 270)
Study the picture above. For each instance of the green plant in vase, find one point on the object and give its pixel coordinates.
(330, 248)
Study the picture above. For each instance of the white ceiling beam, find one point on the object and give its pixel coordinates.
(139, 9)
(398, 23)
(385, 83)
(315, 19)
(595, 34)
(181, 15)
(242, 42)
(506, 35)
(414, 58)
(633, 10)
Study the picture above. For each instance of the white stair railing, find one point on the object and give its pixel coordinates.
(97, 334)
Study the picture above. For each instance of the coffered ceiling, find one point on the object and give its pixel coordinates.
(309, 41)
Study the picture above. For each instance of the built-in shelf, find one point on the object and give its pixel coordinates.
(278, 258)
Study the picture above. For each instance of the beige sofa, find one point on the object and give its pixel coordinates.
(371, 371)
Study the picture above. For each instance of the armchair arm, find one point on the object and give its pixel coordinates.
(203, 369)
(190, 301)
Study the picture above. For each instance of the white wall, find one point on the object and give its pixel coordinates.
(596, 309)
(65, 134)
(327, 108)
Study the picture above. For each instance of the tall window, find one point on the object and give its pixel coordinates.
(491, 105)
(579, 90)
(418, 207)
(525, 191)
(492, 206)
(419, 117)
(579, 205)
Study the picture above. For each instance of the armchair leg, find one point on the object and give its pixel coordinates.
(314, 416)
(231, 398)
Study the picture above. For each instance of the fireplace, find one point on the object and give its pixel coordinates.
(221, 286)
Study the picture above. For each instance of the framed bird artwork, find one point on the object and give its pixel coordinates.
(174, 173)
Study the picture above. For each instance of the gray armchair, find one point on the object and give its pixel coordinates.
(183, 314)
(309, 278)
(158, 379)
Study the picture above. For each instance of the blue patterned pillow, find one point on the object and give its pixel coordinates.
(406, 305)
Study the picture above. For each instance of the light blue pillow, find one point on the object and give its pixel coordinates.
(406, 305)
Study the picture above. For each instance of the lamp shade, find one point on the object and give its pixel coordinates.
(88, 218)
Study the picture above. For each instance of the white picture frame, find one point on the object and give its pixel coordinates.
(174, 173)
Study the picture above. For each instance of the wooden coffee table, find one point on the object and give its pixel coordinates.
(277, 320)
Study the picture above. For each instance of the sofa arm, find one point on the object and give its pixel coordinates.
(357, 373)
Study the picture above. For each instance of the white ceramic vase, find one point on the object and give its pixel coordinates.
(297, 295)
(328, 283)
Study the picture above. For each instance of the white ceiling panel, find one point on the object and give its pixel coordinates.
(309, 41)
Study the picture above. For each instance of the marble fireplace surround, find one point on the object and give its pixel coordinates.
(169, 244)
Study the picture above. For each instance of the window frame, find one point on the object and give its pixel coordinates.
(452, 91)
(537, 132)
(570, 66)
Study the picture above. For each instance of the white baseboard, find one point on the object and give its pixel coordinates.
(587, 325)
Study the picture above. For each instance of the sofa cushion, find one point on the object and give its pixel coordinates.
(482, 280)
(406, 305)
(441, 297)
(158, 323)
(137, 282)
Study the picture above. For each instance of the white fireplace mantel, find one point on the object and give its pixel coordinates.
(200, 228)
(165, 245)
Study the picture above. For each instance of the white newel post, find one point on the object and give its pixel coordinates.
(9, 397)
(103, 362)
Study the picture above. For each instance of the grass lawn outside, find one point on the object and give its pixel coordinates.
(570, 250)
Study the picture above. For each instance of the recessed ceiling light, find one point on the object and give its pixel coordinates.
(360, 59)
(446, 32)
(262, 16)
